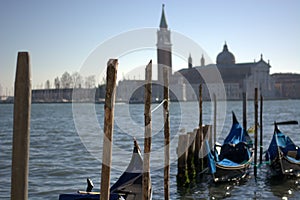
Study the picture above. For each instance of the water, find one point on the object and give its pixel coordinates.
(66, 140)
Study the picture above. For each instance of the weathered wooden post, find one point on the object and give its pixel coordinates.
(182, 152)
(261, 129)
(215, 119)
(207, 134)
(197, 158)
(148, 130)
(166, 134)
(245, 111)
(21, 128)
(255, 130)
(111, 77)
(191, 154)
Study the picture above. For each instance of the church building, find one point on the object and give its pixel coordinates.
(184, 84)
(237, 77)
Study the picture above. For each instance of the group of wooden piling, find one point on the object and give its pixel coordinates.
(192, 156)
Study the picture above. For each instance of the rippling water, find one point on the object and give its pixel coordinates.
(66, 140)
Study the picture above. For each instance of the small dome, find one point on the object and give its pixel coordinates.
(225, 57)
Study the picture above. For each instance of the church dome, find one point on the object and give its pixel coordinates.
(225, 57)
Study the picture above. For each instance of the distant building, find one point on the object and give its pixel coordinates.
(69, 95)
(237, 77)
(287, 85)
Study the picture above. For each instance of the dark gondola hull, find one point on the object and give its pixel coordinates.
(226, 173)
(284, 166)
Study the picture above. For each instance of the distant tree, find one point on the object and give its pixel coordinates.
(47, 85)
(77, 80)
(90, 81)
(57, 83)
(66, 80)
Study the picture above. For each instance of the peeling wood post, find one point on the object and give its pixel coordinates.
(148, 132)
(215, 120)
(167, 134)
(245, 111)
(255, 130)
(191, 154)
(197, 158)
(207, 134)
(21, 128)
(261, 129)
(182, 152)
(111, 77)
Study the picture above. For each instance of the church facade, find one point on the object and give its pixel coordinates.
(237, 78)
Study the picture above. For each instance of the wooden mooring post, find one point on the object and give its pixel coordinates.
(197, 156)
(111, 77)
(255, 130)
(148, 132)
(198, 159)
(182, 152)
(215, 122)
(207, 135)
(191, 155)
(245, 111)
(261, 129)
(21, 128)
(166, 134)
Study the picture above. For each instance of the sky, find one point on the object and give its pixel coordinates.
(63, 35)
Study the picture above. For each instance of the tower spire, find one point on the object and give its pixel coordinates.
(190, 61)
(163, 21)
(202, 61)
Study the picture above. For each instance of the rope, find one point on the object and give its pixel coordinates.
(158, 106)
(259, 165)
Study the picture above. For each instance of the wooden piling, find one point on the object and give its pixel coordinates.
(166, 134)
(191, 154)
(245, 111)
(215, 119)
(261, 129)
(197, 158)
(148, 132)
(182, 152)
(207, 135)
(21, 128)
(255, 130)
(111, 77)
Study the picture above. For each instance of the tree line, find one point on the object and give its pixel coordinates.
(74, 80)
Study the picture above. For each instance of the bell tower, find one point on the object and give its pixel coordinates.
(164, 48)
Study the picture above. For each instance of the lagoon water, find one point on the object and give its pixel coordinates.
(66, 141)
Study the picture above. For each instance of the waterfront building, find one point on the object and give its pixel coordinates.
(287, 85)
(237, 77)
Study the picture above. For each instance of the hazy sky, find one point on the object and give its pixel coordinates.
(61, 34)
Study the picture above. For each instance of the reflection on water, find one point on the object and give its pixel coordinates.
(64, 152)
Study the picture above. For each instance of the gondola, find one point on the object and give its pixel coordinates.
(231, 160)
(283, 155)
(127, 187)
